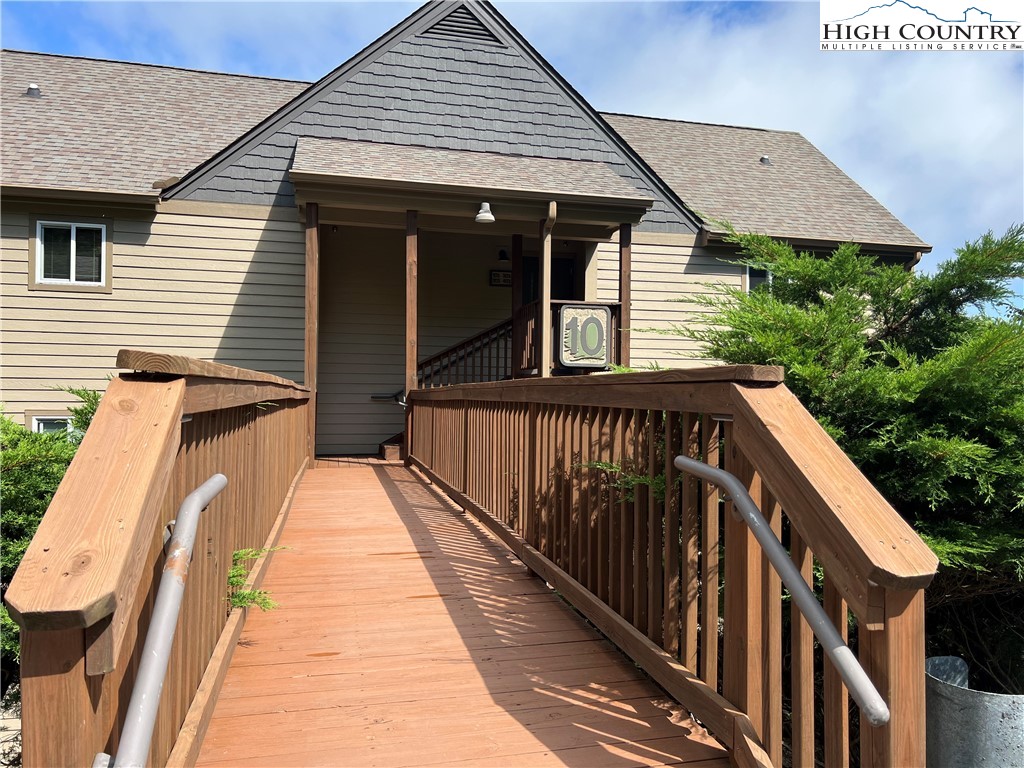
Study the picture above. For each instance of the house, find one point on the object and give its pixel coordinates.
(337, 234)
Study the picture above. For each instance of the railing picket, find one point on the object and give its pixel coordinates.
(570, 506)
(672, 589)
(837, 700)
(614, 517)
(655, 533)
(626, 539)
(710, 439)
(496, 444)
(741, 664)
(571, 499)
(802, 661)
(565, 488)
(640, 522)
(592, 438)
(771, 635)
(689, 489)
(601, 506)
(584, 511)
(544, 466)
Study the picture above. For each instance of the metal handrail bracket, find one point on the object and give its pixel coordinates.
(133, 747)
(856, 679)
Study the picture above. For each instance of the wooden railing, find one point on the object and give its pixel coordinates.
(85, 588)
(576, 475)
(485, 356)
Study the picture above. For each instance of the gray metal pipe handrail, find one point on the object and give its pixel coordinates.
(393, 397)
(861, 689)
(133, 748)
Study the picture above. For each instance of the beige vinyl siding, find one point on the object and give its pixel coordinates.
(362, 322)
(207, 282)
(665, 277)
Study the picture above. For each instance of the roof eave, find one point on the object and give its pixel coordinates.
(640, 203)
(148, 200)
(911, 251)
(448, 199)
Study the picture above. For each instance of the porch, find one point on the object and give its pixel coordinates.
(440, 266)
(398, 611)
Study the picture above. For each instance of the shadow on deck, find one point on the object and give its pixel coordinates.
(406, 636)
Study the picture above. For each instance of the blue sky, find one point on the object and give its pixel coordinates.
(938, 138)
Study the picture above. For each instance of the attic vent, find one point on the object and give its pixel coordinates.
(461, 24)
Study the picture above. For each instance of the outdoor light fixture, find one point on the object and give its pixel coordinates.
(484, 215)
(502, 254)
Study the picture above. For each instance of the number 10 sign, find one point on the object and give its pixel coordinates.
(583, 332)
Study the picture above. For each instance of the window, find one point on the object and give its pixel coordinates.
(71, 254)
(51, 424)
(757, 277)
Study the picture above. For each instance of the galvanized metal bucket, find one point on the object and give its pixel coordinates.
(968, 728)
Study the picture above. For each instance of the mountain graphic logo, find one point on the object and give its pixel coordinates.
(903, 5)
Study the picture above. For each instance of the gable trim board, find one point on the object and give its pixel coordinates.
(198, 181)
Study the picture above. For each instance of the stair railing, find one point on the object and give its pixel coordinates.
(485, 356)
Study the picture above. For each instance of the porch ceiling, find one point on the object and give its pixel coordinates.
(374, 183)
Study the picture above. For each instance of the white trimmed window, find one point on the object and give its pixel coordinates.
(51, 424)
(71, 254)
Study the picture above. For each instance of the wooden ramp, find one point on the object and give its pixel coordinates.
(406, 636)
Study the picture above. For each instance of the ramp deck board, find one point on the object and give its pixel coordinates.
(406, 636)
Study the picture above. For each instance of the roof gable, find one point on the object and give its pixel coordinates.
(454, 75)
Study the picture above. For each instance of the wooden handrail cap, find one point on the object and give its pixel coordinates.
(86, 556)
(160, 362)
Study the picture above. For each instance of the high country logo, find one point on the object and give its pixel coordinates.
(902, 25)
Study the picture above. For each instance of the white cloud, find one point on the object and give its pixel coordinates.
(291, 40)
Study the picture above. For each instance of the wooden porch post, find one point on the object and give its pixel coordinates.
(517, 304)
(625, 276)
(894, 659)
(544, 361)
(312, 320)
(411, 329)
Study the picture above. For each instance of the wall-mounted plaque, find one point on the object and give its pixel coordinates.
(583, 336)
(501, 278)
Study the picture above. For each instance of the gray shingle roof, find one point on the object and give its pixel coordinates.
(449, 167)
(802, 195)
(118, 127)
